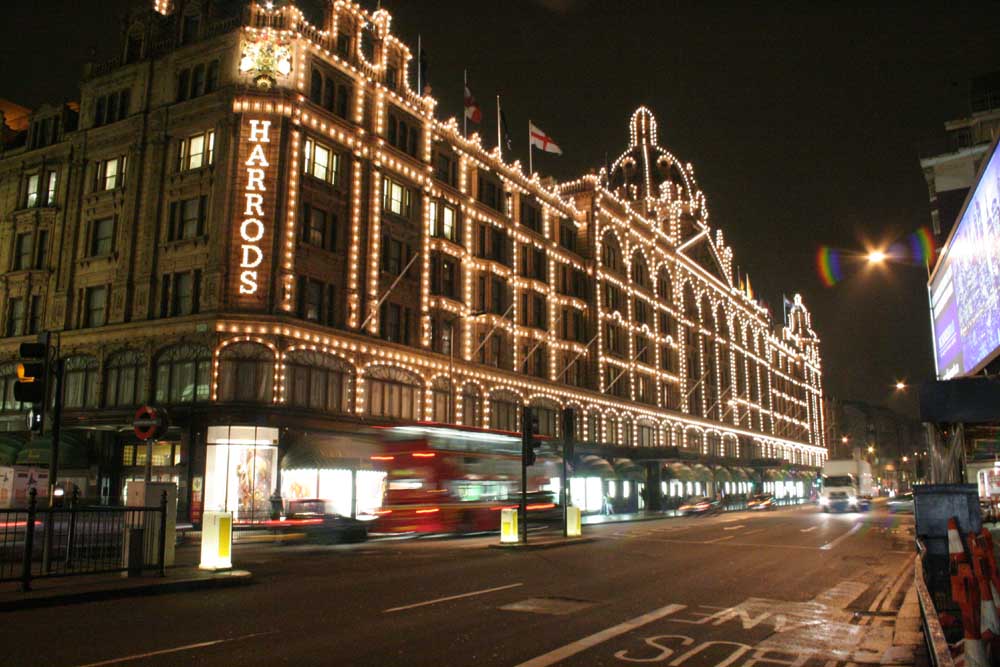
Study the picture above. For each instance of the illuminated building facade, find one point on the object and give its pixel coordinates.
(257, 223)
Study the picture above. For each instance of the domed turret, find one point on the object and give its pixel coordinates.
(646, 172)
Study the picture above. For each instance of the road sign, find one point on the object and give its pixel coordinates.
(148, 423)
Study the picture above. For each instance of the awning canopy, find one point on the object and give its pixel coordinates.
(72, 451)
(739, 474)
(722, 475)
(678, 471)
(701, 473)
(591, 465)
(629, 469)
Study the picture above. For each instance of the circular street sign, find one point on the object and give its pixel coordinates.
(147, 422)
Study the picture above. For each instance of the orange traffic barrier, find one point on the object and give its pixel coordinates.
(991, 564)
(965, 592)
(956, 552)
(989, 623)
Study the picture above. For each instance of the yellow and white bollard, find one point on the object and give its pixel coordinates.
(216, 541)
(508, 526)
(573, 524)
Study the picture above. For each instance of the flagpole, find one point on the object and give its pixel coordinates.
(465, 115)
(531, 166)
(419, 66)
(499, 141)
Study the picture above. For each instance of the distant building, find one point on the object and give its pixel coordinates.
(258, 223)
(951, 168)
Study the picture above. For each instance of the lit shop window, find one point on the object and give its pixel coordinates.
(321, 162)
(396, 198)
(241, 469)
(196, 151)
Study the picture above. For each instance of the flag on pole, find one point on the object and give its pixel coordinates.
(472, 110)
(786, 306)
(423, 85)
(508, 144)
(749, 288)
(542, 141)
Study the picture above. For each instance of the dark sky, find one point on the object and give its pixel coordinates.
(804, 122)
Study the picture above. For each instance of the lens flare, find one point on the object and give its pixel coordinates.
(922, 246)
(828, 266)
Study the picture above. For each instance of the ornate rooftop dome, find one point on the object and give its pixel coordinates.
(646, 172)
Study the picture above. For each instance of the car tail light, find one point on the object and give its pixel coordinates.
(382, 512)
(424, 455)
(377, 457)
(429, 510)
(541, 506)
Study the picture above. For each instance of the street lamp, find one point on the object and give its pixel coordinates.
(871, 449)
(900, 385)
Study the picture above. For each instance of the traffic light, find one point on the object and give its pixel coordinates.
(529, 429)
(32, 373)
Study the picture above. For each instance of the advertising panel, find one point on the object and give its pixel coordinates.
(965, 287)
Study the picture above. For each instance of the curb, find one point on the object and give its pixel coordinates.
(231, 578)
(538, 546)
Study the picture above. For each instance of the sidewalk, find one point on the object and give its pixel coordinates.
(87, 588)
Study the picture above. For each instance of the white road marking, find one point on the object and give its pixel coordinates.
(719, 539)
(753, 532)
(831, 545)
(733, 527)
(808, 530)
(580, 645)
(176, 649)
(450, 597)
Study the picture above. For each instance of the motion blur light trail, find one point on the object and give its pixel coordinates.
(828, 265)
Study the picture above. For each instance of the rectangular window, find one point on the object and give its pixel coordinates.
(196, 151)
(183, 297)
(316, 228)
(531, 216)
(321, 162)
(50, 189)
(32, 198)
(396, 197)
(35, 316)
(15, 317)
(95, 314)
(41, 256)
(403, 133)
(539, 309)
(183, 85)
(393, 323)
(567, 235)
(111, 174)
(343, 44)
(102, 237)
(392, 256)
(198, 81)
(490, 192)
(312, 300)
(443, 221)
(23, 248)
(212, 76)
(444, 168)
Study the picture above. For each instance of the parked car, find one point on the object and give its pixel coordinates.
(761, 501)
(902, 502)
(311, 517)
(700, 505)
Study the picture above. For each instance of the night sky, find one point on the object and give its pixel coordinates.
(804, 123)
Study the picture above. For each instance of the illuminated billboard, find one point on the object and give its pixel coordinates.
(965, 287)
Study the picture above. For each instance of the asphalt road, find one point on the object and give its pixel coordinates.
(729, 590)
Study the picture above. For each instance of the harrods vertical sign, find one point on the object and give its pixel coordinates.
(254, 225)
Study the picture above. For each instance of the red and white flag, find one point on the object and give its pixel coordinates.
(542, 141)
(472, 110)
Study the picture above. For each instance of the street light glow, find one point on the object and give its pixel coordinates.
(876, 257)
(871, 449)
(900, 385)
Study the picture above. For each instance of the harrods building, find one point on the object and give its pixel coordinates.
(258, 224)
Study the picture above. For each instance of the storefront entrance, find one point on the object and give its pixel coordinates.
(241, 471)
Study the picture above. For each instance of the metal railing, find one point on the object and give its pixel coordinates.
(937, 643)
(80, 540)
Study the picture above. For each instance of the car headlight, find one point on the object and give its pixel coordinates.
(823, 500)
(852, 499)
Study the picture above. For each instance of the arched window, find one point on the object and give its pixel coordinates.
(664, 288)
(593, 426)
(504, 409)
(628, 432)
(125, 379)
(715, 444)
(441, 400)
(690, 304)
(246, 373)
(707, 316)
(547, 413)
(318, 381)
(640, 272)
(394, 392)
(611, 429)
(183, 374)
(611, 253)
(472, 406)
(8, 378)
(647, 434)
(80, 382)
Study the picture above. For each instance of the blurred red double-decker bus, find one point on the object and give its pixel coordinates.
(453, 479)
